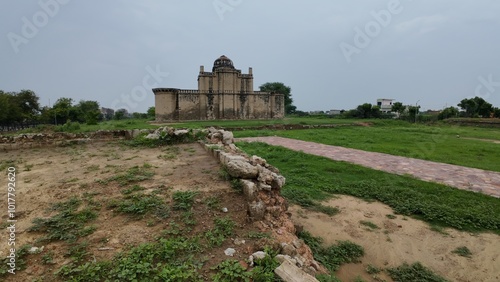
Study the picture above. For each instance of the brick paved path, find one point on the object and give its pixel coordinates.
(484, 181)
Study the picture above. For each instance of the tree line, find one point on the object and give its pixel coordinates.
(24, 106)
(470, 108)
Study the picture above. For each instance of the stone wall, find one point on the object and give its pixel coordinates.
(266, 208)
(175, 104)
(34, 140)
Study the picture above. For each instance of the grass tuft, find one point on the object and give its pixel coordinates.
(133, 174)
(462, 251)
(335, 255)
(140, 204)
(369, 224)
(67, 225)
(183, 200)
(413, 273)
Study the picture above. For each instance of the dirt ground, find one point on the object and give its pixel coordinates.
(401, 240)
(50, 175)
(485, 140)
(46, 176)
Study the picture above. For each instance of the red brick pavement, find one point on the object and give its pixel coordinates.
(478, 180)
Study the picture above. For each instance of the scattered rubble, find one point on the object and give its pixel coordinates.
(230, 252)
(267, 209)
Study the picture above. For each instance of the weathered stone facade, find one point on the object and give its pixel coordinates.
(224, 93)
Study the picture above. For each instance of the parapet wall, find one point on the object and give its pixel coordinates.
(180, 104)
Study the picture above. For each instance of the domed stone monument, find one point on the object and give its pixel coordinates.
(224, 93)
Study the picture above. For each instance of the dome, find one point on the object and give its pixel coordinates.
(223, 62)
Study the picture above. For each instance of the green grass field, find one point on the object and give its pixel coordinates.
(459, 145)
(438, 143)
(148, 124)
(258, 123)
(311, 179)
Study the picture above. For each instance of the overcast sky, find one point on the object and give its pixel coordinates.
(333, 54)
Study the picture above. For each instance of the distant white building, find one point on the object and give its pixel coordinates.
(385, 105)
(334, 112)
(316, 112)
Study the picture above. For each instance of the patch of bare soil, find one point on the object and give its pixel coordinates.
(399, 240)
(364, 124)
(481, 139)
(46, 176)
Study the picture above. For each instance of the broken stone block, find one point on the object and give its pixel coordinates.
(227, 137)
(266, 187)
(281, 258)
(249, 189)
(135, 132)
(289, 272)
(300, 260)
(278, 181)
(288, 250)
(241, 169)
(229, 252)
(297, 243)
(256, 160)
(271, 178)
(153, 136)
(259, 255)
(180, 132)
(256, 210)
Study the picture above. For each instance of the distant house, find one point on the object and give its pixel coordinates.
(432, 112)
(107, 113)
(385, 105)
(334, 112)
(316, 112)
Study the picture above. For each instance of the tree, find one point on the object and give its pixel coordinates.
(413, 112)
(278, 87)
(496, 112)
(366, 110)
(4, 107)
(108, 113)
(475, 107)
(151, 112)
(120, 114)
(47, 115)
(290, 109)
(19, 106)
(88, 112)
(64, 110)
(448, 113)
(137, 115)
(375, 112)
(27, 102)
(398, 108)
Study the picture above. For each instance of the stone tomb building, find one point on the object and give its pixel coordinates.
(224, 93)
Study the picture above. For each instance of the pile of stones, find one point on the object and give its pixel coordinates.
(266, 208)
